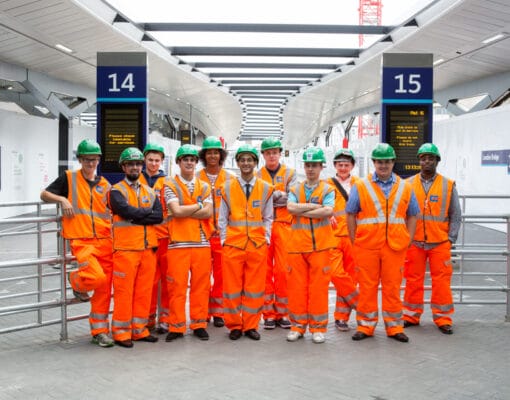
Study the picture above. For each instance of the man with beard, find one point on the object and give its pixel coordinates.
(436, 231)
(136, 209)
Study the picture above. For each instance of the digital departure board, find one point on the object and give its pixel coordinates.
(121, 127)
(407, 97)
(406, 130)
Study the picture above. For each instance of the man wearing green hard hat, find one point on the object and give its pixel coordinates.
(86, 223)
(311, 205)
(275, 311)
(437, 230)
(213, 155)
(381, 219)
(246, 215)
(154, 177)
(136, 212)
(189, 202)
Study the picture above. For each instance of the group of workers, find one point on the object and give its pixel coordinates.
(271, 245)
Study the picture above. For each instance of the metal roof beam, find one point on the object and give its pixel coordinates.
(271, 28)
(264, 51)
(264, 75)
(264, 65)
(265, 87)
(264, 81)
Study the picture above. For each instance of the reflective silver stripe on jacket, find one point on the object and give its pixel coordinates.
(83, 211)
(381, 219)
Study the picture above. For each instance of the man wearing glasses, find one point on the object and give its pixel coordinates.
(86, 223)
(136, 209)
(381, 220)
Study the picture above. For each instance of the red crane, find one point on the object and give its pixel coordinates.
(370, 13)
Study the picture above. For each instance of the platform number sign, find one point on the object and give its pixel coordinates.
(118, 83)
(407, 98)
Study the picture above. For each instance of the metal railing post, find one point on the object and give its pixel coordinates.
(63, 286)
(507, 317)
(39, 267)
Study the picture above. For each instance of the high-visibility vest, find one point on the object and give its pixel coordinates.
(382, 220)
(222, 177)
(159, 189)
(339, 210)
(245, 222)
(280, 182)
(311, 234)
(130, 236)
(433, 224)
(187, 229)
(92, 218)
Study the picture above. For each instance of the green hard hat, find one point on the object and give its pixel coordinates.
(212, 142)
(130, 154)
(342, 153)
(154, 147)
(270, 143)
(186, 150)
(246, 148)
(383, 151)
(88, 147)
(314, 154)
(429, 148)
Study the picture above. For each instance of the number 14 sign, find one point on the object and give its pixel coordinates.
(121, 83)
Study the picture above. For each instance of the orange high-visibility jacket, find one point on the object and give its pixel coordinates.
(339, 210)
(159, 188)
(432, 225)
(223, 176)
(382, 220)
(245, 221)
(280, 182)
(92, 218)
(129, 236)
(311, 234)
(188, 229)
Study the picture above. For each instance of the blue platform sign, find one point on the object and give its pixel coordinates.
(407, 98)
(121, 107)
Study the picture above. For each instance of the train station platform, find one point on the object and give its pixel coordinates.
(471, 364)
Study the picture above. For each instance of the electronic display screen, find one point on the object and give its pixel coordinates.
(121, 127)
(407, 128)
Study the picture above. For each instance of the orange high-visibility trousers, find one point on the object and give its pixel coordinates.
(133, 274)
(96, 258)
(185, 261)
(159, 286)
(244, 274)
(376, 266)
(440, 265)
(308, 280)
(275, 298)
(346, 287)
(216, 295)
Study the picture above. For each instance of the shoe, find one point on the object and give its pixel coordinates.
(162, 328)
(269, 323)
(341, 325)
(283, 323)
(201, 333)
(400, 337)
(173, 335)
(252, 334)
(408, 324)
(293, 336)
(446, 329)
(235, 334)
(360, 336)
(218, 322)
(149, 339)
(128, 343)
(82, 296)
(318, 337)
(103, 340)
